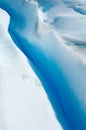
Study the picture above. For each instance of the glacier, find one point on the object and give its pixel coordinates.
(50, 35)
(23, 102)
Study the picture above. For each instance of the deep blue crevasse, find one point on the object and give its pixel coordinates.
(64, 102)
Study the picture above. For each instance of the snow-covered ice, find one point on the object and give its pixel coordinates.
(23, 102)
(51, 34)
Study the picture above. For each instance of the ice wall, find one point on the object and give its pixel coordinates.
(61, 70)
(23, 101)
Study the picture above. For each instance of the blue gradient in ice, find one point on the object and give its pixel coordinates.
(53, 62)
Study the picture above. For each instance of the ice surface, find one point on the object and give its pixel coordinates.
(48, 33)
(23, 102)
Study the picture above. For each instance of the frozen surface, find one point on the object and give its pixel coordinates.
(23, 102)
(51, 34)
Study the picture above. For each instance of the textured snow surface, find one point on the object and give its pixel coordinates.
(23, 102)
(51, 34)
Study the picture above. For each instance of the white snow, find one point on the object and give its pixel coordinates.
(23, 102)
(48, 48)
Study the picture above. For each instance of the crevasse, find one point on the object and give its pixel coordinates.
(61, 70)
